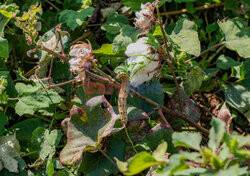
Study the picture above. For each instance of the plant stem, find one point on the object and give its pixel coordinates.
(126, 131)
(170, 60)
(50, 3)
(165, 109)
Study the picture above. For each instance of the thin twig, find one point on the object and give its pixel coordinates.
(131, 142)
(60, 38)
(60, 84)
(50, 3)
(205, 51)
(85, 35)
(170, 60)
(133, 92)
(204, 7)
(64, 58)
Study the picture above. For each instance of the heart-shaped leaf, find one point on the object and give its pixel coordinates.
(86, 129)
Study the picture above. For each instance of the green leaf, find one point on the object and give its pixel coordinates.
(224, 62)
(114, 23)
(238, 97)
(86, 128)
(156, 135)
(185, 37)
(187, 139)
(212, 27)
(128, 34)
(3, 122)
(4, 48)
(50, 169)
(9, 148)
(106, 49)
(142, 161)
(194, 80)
(94, 164)
(152, 90)
(177, 163)
(24, 130)
(135, 5)
(216, 133)
(32, 99)
(237, 36)
(45, 141)
(75, 19)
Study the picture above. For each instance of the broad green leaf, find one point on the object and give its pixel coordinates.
(177, 163)
(9, 148)
(245, 74)
(238, 97)
(194, 80)
(185, 37)
(94, 164)
(224, 62)
(237, 36)
(32, 99)
(128, 34)
(152, 90)
(46, 141)
(50, 169)
(86, 128)
(143, 160)
(187, 139)
(156, 135)
(216, 133)
(25, 128)
(190, 171)
(135, 5)
(212, 27)
(4, 48)
(3, 122)
(106, 49)
(75, 19)
(114, 23)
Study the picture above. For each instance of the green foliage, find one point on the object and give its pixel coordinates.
(143, 160)
(237, 36)
(75, 19)
(86, 129)
(194, 80)
(4, 49)
(32, 99)
(40, 94)
(185, 37)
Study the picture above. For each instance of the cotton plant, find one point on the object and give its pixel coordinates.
(142, 63)
(81, 58)
(145, 17)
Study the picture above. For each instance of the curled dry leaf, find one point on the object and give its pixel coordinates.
(145, 18)
(86, 129)
(225, 115)
(9, 148)
(81, 57)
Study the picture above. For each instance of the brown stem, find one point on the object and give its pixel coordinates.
(196, 8)
(80, 38)
(170, 60)
(163, 118)
(205, 51)
(60, 38)
(60, 84)
(169, 111)
(64, 58)
(165, 109)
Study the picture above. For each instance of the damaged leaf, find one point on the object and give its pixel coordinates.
(86, 129)
(9, 148)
